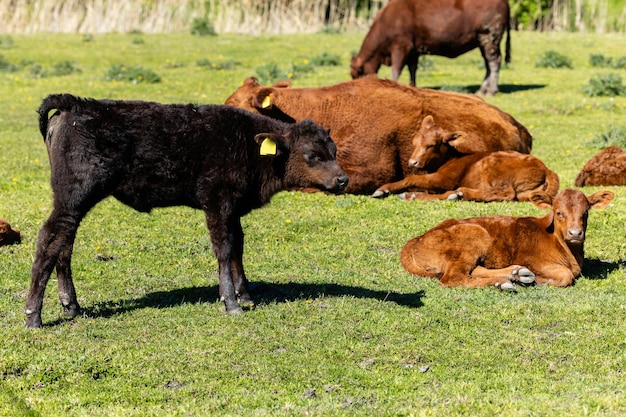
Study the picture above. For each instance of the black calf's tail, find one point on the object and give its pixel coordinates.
(61, 102)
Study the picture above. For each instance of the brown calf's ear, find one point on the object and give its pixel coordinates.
(264, 99)
(541, 199)
(600, 199)
(428, 123)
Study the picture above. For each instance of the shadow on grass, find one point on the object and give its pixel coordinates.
(262, 292)
(597, 269)
(504, 88)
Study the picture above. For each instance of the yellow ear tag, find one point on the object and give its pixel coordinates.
(267, 102)
(268, 147)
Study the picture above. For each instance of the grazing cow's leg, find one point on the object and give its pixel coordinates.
(412, 61)
(490, 50)
(399, 55)
(240, 281)
(221, 224)
(54, 248)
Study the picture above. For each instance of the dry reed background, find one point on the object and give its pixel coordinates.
(257, 16)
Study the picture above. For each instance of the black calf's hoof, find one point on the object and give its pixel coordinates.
(33, 322)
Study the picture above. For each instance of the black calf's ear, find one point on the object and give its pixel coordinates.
(270, 144)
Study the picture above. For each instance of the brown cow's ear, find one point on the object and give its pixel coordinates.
(282, 84)
(270, 144)
(541, 199)
(452, 136)
(264, 99)
(600, 199)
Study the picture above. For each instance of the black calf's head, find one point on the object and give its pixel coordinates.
(312, 156)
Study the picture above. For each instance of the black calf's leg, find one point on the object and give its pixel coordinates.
(54, 248)
(221, 228)
(240, 281)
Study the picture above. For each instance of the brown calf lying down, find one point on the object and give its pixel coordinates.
(374, 122)
(606, 168)
(498, 250)
(496, 176)
(8, 235)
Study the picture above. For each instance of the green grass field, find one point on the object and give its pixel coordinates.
(340, 327)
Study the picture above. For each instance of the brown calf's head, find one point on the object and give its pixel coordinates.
(431, 145)
(570, 209)
(311, 156)
(254, 97)
(8, 234)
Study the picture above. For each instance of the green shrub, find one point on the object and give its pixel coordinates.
(59, 69)
(212, 65)
(302, 67)
(63, 68)
(6, 66)
(201, 26)
(605, 85)
(615, 136)
(326, 59)
(620, 63)
(599, 60)
(135, 75)
(554, 59)
(6, 42)
(270, 73)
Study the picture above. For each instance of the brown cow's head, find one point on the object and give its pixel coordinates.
(8, 235)
(570, 209)
(254, 97)
(432, 145)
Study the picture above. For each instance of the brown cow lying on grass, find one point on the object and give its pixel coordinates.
(606, 168)
(495, 176)
(8, 234)
(500, 250)
(373, 122)
(218, 159)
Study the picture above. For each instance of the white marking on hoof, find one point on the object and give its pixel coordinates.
(507, 286)
(523, 275)
(378, 193)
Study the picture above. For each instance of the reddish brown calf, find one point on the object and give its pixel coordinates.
(500, 250)
(8, 234)
(606, 168)
(494, 176)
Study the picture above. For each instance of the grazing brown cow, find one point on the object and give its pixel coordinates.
(222, 160)
(500, 250)
(373, 122)
(606, 168)
(8, 234)
(405, 29)
(494, 176)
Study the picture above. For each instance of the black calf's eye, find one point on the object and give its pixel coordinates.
(311, 157)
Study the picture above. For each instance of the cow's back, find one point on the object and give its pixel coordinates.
(151, 155)
(491, 129)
